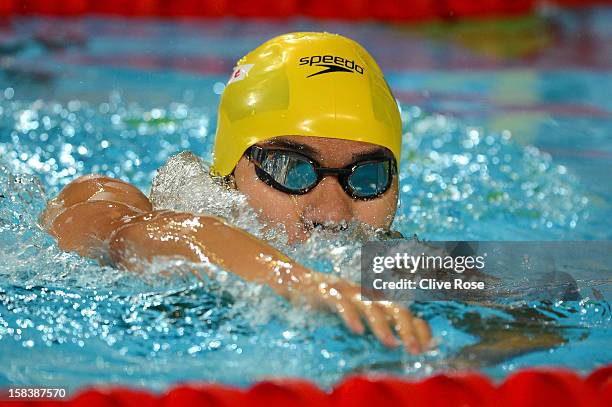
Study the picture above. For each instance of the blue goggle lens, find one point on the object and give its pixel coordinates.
(370, 179)
(292, 172)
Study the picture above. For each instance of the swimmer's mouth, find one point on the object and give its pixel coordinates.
(310, 226)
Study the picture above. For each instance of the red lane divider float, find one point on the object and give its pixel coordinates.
(395, 10)
(532, 387)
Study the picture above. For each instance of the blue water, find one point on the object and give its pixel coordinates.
(508, 137)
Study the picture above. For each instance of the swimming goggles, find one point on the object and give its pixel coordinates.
(295, 173)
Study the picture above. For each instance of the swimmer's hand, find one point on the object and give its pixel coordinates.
(383, 317)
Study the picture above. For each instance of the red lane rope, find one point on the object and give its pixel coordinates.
(531, 387)
(397, 10)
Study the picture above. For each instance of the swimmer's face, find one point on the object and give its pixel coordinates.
(327, 205)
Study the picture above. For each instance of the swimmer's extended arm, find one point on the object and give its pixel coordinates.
(112, 221)
(205, 238)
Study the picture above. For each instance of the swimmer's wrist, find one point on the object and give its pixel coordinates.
(306, 284)
(293, 284)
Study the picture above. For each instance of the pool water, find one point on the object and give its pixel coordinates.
(508, 137)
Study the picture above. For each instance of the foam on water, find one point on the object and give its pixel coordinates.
(64, 319)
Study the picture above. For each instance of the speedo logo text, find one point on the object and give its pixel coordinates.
(331, 63)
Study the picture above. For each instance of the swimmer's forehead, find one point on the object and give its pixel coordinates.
(329, 149)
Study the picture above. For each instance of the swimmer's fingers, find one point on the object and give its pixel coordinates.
(349, 315)
(404, 324)
(377, 322)
(345, 299)
(423, 332)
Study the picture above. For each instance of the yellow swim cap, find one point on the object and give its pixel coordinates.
(305, 84)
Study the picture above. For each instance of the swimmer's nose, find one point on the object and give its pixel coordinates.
(327, 205)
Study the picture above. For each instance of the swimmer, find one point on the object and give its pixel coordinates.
(309, 132)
